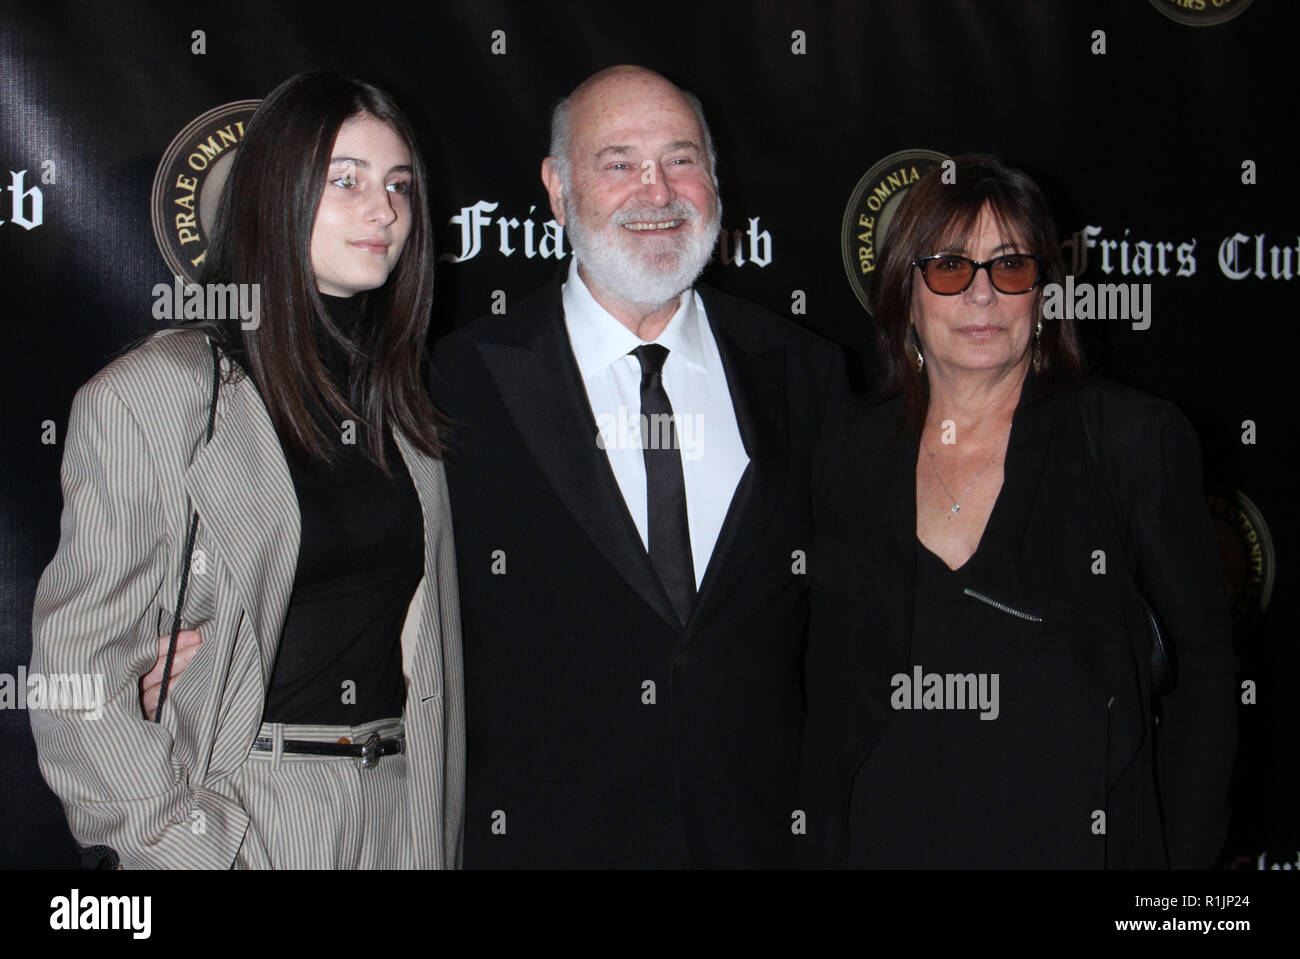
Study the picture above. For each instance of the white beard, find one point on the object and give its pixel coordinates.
(617, 270)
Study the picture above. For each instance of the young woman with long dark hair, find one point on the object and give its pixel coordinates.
(276, 488)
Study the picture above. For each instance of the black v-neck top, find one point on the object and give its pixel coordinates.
(1066, 776)
(945, 788)
(360, 558)
(938, 593)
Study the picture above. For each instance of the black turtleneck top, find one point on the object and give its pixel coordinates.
(360, 558)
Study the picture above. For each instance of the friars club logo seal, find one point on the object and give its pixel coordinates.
(1249, 561)
(188, 183)
(871, 208)
(1201, 13)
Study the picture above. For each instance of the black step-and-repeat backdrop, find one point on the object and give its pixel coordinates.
(1160, 129)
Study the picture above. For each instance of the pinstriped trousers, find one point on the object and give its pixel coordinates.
(324, 812)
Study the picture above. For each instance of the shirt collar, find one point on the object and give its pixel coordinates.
(599, 339)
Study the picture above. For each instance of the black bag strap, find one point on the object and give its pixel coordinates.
(189, 545)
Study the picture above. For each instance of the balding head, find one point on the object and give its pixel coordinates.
(631, 180)
(605, 91)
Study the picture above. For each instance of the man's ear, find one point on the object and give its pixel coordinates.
(554, 188)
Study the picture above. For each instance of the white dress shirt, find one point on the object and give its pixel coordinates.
(713, 456)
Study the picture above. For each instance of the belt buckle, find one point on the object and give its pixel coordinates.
(370, 752)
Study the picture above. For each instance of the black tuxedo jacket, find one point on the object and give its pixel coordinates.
(1100, 468)
(601, 732)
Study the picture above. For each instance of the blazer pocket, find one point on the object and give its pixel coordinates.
(162, 624)
(1002, 623)
(164, 630)
(1019, 613)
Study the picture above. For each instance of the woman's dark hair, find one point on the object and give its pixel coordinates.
(262, 234)
(939, 213)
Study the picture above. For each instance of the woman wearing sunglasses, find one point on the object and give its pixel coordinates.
(276, 487)
(982, 675)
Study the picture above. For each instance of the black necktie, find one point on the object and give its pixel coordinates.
(665, 487)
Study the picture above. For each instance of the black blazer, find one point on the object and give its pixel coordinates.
(1137, 496)
(600, 731)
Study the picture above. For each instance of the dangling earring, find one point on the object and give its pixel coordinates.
(1038, 344)
(920, 360)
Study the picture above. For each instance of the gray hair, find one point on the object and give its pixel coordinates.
(562, 137)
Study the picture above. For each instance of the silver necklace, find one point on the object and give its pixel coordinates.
(956, 506)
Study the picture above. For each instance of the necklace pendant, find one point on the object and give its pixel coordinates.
(955, 507)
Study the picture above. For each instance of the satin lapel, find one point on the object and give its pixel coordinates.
(240, 485)
(543, 390)
(757, 382)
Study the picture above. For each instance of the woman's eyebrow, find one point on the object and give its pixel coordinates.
(365, 164)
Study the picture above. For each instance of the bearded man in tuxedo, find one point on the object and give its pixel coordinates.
(630, 491)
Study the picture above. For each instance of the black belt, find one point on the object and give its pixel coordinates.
(368, 752)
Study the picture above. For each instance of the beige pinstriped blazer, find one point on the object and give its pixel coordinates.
(160, 793)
